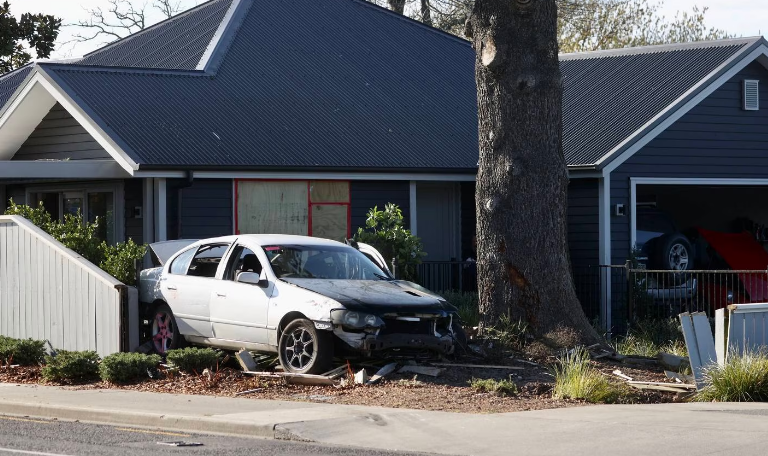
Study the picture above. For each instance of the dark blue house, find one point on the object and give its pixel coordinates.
(297, 116)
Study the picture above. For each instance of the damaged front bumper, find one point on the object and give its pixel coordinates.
(443, 345)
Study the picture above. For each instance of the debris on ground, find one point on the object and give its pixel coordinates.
(477, 366)
(361, 377)
(250, 391)
(381, 373)
(246, 361)
(421, 370)
(681, 378)
(620, 374)
(673, 362)
(180, 444)
(662, 386)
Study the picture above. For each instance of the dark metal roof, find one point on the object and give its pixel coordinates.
(610, 95)
(9, 82)
(305, 83)
(177, 43)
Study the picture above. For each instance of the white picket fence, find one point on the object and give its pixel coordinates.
(47, 291)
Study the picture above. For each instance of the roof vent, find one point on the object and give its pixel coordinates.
(751, 95)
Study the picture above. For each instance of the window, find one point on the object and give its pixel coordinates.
(322, 262)
(206, 261)
(91, 205)
(313, 208)
(242, 260)
(181, 264)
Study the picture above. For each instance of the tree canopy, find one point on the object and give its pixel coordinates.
(37, 31)
(582, 25)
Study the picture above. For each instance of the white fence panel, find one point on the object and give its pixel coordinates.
(747, 328)
(50, 292)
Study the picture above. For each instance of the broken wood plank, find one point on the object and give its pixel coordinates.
(246, 361)
(604, 354)
(421, 370)
(296, 379)
(619, 373)
(673, 387)
(383, 372)
(525, 361)
(255, 390)
(477, 366)
(336, 373)
(682, 378)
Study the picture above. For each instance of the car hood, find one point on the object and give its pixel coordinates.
(376, 296)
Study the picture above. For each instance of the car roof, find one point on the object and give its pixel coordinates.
(273, 239)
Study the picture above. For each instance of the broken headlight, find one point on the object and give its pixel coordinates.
(352, 319)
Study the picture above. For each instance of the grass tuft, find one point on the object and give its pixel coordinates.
(652, 336)
(575, 378)
(498, 387)
(741, 379)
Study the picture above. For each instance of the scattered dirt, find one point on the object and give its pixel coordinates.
(449, 392)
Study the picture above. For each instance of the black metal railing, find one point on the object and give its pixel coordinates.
(448, 275)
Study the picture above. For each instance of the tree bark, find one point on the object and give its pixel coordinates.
(523, 261)
(397, 6)
(426, 12)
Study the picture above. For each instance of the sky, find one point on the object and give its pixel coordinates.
(738, 17)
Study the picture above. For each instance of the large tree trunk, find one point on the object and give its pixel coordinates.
(397, 6)
(523, 261)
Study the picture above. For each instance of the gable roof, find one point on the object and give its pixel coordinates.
(611, 96)
(11, 81)
(344, 84)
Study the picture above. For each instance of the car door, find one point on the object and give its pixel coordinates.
(239, 310)
(188, 285)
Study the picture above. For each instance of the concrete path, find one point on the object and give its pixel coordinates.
(627, 430)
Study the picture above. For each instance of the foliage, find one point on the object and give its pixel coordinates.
(497, 387)
(39, 31)
(468, 304)
(649, 337)
(384, 231)
(118, 260)
(124, 367)
(193, 359)
(70, 366)
(741, 379)
(25, 352)
(588, 25)
(575, 378)
(508, 334)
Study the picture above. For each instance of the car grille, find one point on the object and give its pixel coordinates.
(393, 326)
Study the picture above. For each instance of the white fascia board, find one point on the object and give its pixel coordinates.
(761, 52)
(215, 43)
(86, 122)
(71, 169)
(332, 176)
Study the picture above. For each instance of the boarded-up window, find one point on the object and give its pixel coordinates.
(314, 208)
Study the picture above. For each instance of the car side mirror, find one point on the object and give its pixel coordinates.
(254, 279)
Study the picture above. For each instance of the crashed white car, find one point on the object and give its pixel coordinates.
(308, 299)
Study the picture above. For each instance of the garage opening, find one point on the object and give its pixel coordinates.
(699, 247)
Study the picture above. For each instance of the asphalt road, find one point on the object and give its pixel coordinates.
(38, 437)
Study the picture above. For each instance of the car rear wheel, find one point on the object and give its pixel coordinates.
(674, 253)
(165, 332)
(305, 350)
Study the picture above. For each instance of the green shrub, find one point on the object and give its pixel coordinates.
(575, 378)
(124, 367)
(71, 365)
(741, 379)
(192, 359)
(25, 352)
(385, 231)
(120, 260)
(468, 305)
(497, 387)
(648, 337)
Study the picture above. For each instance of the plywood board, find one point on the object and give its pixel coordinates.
(272, 207)
(329, 191)
(329, 221)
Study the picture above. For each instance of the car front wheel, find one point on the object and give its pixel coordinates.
(305, 350)
(674, 253)
(165, 332)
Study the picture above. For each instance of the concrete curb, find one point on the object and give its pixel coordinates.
(166, 422)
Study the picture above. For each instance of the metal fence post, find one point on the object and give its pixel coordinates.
(630, 290)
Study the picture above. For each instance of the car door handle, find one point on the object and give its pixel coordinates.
(221, 295)
(170, 287)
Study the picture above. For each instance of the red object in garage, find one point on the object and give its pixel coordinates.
(742, 253)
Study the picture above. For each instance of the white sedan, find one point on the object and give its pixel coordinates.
(308, 299)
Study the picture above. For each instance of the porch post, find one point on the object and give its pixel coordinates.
(161, 212)
(3, 199)
(412, 209)
(604, 198)
(148, 211)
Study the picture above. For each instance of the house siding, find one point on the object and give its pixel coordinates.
(133, 190)
(59, 136)
(716, 139)
(364, 195)
(583, 222)
(206, 208)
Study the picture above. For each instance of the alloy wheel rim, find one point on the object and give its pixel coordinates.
(162, 332)
(299, 349)
(678, 257)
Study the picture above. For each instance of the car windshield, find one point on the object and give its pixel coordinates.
(322, 262)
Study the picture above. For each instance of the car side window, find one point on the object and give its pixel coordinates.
(206, 261)
(180, 264)
(242, 260)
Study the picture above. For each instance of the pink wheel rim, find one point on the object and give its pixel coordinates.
(162, 332)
